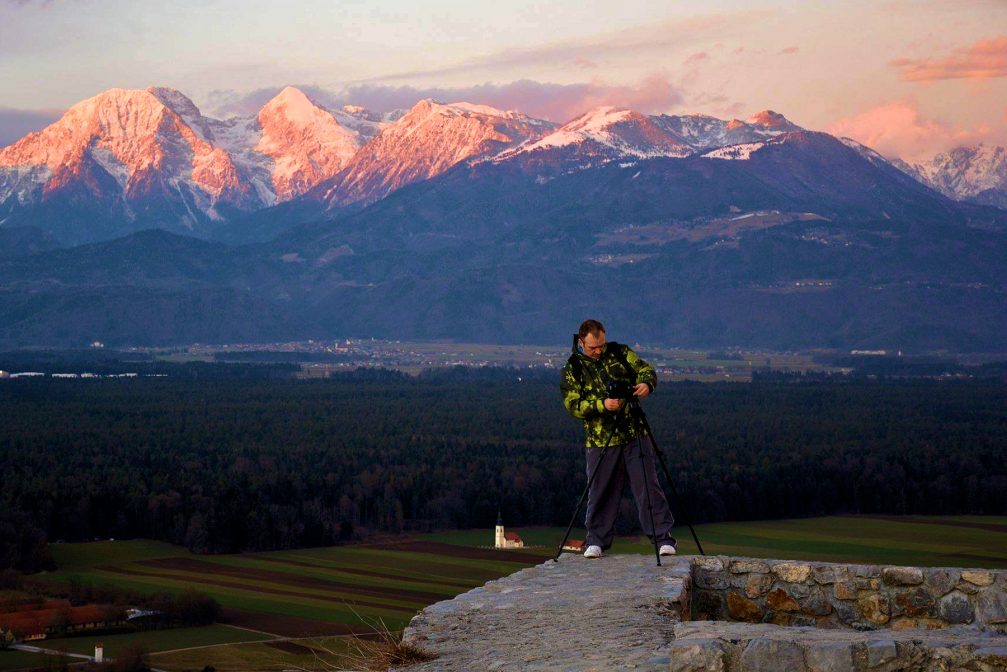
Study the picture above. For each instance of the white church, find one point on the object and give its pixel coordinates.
(506, 539)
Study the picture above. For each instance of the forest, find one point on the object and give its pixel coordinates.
(233, 462)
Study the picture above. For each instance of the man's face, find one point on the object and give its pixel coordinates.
(593, 344)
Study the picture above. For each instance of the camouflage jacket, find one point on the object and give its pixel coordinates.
(584, 399)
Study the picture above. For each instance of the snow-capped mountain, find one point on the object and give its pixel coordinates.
(426, 141)
(977, 173)
(127, 154)
(703, 132)
(604, 134)
(128, 159)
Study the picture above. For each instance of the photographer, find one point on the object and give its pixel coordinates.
(595, 369)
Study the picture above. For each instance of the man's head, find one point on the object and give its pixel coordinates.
(591, 337)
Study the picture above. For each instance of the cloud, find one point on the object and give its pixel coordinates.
(628, 42)
(696, 59)
(555, 102)
(986, 59)
(789, 50)
(897, 129)
(15, 124)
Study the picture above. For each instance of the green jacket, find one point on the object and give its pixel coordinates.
(584, 399)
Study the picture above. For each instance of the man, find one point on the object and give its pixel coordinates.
(592, 365)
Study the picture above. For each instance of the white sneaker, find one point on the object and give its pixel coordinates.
(667, 549)
(593, 552)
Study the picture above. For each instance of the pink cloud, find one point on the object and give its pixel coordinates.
(897, 129)
(698, 57)
(986, 59)
(555, 102)
(789, 50)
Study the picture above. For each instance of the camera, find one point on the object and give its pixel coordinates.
(619, 389)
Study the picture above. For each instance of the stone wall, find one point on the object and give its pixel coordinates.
(623, 612)
(830, 595)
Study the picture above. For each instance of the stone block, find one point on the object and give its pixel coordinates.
(799, 590)
(955, 608)
(779, 600)
(918, 602)
(792, 572)
(767, 654)
(941, 579)
(978, 577)
(829, 657)
(714, 580)
(817, 604)
(865, 571)
(873, 608)
(966, 587)
(739, 580)
(880, 651)
(747, 566)
(845, 611)
(844, 590)
(705, 655)
(740, 608)
(902, 576)
(991, 607)
(711, 564)
(823, 574)
(758, 584)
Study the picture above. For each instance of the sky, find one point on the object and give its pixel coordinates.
(909, 78)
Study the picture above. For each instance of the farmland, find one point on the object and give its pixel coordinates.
(293, 608)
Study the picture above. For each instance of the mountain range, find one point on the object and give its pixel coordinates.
(462, 221)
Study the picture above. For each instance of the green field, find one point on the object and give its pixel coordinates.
(320, 593)
(933, 541)
(155, 640)
(18, 660)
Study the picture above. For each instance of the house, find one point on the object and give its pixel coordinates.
(575, 545)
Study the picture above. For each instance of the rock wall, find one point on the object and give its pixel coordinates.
(697, 614)
(830, 595)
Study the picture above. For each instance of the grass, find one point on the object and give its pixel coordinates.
(932, 541)
(156, 640)
(317, 654)
(18, 660)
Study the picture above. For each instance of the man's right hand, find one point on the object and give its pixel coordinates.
(614, 404)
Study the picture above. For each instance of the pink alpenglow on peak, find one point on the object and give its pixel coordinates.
(138, 140)
(306, 143)
(772, 121)
(612, 133)
(425, 142)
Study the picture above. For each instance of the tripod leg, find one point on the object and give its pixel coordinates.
(590, 480)
(646, 488)
(674, 491)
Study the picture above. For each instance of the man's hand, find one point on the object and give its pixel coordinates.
(641, 390)
(614, 404)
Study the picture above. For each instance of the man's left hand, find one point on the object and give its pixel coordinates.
(641, 390)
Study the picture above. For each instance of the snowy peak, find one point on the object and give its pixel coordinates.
(426, 141)
(772, 121)
(703, 132)
(609, 133)
(126, 145)
(306, 142)
(976, 173)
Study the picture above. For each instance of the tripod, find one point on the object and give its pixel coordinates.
(632, 411)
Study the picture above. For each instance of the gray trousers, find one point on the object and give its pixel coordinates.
(606, 491)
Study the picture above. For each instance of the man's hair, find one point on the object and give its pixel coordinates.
(590, 327)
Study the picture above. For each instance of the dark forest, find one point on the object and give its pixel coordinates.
(261, 462)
